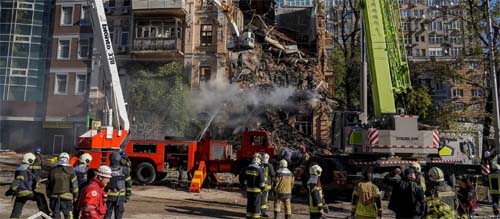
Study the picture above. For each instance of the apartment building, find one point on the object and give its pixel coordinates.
(70, 71)
(25, 30)
(433, 31)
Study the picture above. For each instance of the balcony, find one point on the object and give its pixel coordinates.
(157, 46)
(159, 7)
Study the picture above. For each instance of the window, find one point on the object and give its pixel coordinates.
(112, 3)
(206, 35)
(455, 51)
(476, 106)
(435, 51)
(66, 16)
(406, 26)
(80, 83)
(63, 49)
(144, 148)
(84, 48)
(407, 39)
(124, 39)
(61, 84)
(298, 3)
(459, 106)
(126, 3)
(404, 13)
(458, 93)
(456, 39)
(84, 16)
(435, 39)
(205, 74)
(455, 25)
(476, 93)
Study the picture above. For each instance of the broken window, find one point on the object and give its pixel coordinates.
(205, 73)
(206, 35)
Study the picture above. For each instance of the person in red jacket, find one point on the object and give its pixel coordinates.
(92, 201)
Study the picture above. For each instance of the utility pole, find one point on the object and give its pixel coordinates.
(364, 75)
(493, 77)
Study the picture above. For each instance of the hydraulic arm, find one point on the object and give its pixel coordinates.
(113, 133)
(387, 61)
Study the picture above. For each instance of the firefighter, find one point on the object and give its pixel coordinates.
(125, 161)
(268, 179)
(119, 188)
(420, 175)
(407, 199)
(62, 188)
(315, 193)
(253, 179)
(92, 201)
(283, 185)
(494, 180)
(36, 168)
(23, 188)
(440, 197)
(366, 201)
(82, 174)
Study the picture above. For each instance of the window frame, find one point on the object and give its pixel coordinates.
(89, 50)
(204, 39)
(77, 85)
(202, 69)
(56, 84)
(59, 49)
(121, 39)
(83, 17)
(61, 17)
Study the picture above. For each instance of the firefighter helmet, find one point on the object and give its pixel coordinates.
(315, 170)
(283, 163)
(436, 174)
(104, 171)
(29, 158)
(265, 158)
(85, 158)
(256, 160)
(417, 167)
(38, 150)
(123, 154)
(257, 155)
(64, 155)
(495, 166)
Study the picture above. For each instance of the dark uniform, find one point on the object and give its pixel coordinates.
(62, 189)
(443, 191)
(494, 182)
(82, 173)
(119, 188)
(36, 167)
(253, 179)
(23, 189)
(407, 199)
(315, 200)
(268, 179)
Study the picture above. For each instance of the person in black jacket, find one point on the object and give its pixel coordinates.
(407, 199)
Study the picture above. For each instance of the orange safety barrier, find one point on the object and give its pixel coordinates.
(198, 178)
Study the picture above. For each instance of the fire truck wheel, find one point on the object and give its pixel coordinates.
(145, 173)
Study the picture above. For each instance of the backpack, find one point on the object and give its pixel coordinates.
(435, 207)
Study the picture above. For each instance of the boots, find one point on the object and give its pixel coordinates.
(276, 215)
(263, 213)
(288, 216)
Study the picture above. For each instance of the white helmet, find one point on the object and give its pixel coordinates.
(257, 155)
(85, 158)
(315, 170)
(256, 160)
(104, 171)
(63, 155)
(283, 163)
(265, 158)
(29, 158)
(417, 167)
(436, 174)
